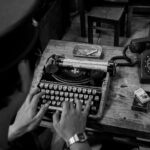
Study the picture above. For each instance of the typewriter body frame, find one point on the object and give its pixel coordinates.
(68, 53)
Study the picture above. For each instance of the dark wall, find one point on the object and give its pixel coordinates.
(55, 21)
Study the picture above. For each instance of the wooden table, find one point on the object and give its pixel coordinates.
(118, 116)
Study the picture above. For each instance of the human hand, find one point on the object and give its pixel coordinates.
(72, 121)
(27, 117)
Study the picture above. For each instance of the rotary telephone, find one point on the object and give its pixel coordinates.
(142, 47)
(145, 67)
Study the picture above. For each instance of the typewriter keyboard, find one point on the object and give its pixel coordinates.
(56, 93)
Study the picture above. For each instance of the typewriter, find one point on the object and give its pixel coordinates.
(67, 79)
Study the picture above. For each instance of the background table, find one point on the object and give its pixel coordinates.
(82, 9)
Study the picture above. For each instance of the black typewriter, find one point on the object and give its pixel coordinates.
(67, 79)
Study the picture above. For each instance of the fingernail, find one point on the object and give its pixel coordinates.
(57, 111)
(36, 88)
(90, 100)
(47, 104)
(76, 99)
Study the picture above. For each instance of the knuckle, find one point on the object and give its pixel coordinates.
(36, 97)
(65, 103)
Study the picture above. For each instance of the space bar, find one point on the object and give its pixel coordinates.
(55, 108)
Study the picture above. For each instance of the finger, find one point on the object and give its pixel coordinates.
(32, 93)
(55, 118)
(78, 105)
(65, 108)
(41, 112)
(87, 107)
(72, 106)
(35, 99)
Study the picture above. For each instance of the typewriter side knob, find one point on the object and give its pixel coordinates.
(111, 68)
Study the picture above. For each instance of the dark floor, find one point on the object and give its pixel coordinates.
(140, 28)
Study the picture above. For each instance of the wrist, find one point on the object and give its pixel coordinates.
(77, 138)
(13, 133)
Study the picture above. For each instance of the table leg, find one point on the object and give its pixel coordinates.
(129, 19)
(122, 22)
(90, 30)
(82, 18)
(116, 34)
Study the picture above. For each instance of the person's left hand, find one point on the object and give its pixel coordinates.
(27, 117)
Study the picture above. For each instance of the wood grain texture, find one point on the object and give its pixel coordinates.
(118, 116)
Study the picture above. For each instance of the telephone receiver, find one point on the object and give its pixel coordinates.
(142, 47)
(139, 45)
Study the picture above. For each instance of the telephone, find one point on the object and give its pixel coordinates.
(142, 47)
(145, 67)
(139, 45)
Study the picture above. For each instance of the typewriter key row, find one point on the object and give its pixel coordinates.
(60, 87)
(57, 93)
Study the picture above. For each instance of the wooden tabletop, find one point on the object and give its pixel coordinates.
(108, 13)
(118, 116)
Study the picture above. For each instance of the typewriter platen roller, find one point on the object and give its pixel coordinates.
(65, 79)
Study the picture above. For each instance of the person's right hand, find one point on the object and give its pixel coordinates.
(27, 118)
(72, 121)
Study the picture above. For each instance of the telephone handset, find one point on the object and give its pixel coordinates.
(145, 67)
(139, 45)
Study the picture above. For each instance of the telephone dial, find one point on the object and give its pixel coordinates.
(145, 67)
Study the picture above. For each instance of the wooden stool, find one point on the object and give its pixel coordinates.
(110, 15)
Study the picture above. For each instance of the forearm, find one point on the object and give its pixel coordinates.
(80, 146)
(13, 133)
